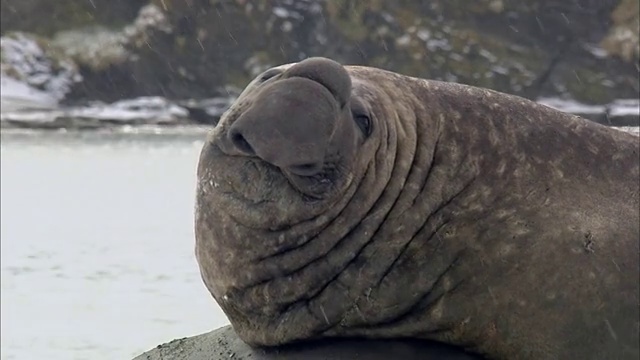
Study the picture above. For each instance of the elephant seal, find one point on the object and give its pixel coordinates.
(348, 201)
(224, 344)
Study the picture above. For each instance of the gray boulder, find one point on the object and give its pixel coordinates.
(582, 50)
(223, 343)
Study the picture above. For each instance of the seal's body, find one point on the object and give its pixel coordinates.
(351, 201)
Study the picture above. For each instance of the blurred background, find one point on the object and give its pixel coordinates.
(105, 105)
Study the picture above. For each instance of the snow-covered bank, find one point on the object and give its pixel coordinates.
(623, 112)
(35, 110)
(17, 95)
(37, 77)
(35, 82)
(32, 77)
(144, 111)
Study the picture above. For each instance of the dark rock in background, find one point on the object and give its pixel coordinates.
(623, 36)
(585, 50)
(45, 18)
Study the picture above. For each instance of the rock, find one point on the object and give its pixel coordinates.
(134, 112)
(108, 61)
(32, 76)
(93, 48)
(623, 39)
(45, 18)
(533, 48)
(17, 95)
(581, 50)
(99, 53)
(224, 344)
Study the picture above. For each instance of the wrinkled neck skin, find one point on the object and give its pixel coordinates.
(400, 246)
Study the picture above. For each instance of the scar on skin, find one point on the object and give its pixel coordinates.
(588, 242)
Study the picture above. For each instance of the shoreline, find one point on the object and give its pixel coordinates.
(159, 115)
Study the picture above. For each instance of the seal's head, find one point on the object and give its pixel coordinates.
(287, 148)
(278, 173)
(294, 197)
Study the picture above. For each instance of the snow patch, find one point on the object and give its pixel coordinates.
(153, 110)
(625, 107)
(31, 75)
(17, 95)
(572, 106)
(622, 107)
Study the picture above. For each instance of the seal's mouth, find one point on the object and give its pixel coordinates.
(254, 181)
(259, 195)
(312, 187)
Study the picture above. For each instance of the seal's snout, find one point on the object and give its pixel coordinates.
(291, 120)
(302, 164)
(289, 124)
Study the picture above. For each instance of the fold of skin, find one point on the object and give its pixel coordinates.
(468, 216)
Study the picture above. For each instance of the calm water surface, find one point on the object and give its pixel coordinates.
(97, 245)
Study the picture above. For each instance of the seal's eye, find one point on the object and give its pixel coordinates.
(269, 74)
(364, 122)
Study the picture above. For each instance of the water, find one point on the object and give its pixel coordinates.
(97, 245)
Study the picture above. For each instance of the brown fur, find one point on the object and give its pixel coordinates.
(468, 216)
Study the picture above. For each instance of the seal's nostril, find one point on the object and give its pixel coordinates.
(241, 143)
(308, 169)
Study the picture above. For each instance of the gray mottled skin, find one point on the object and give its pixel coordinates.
(224, 344)
(468, 216)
